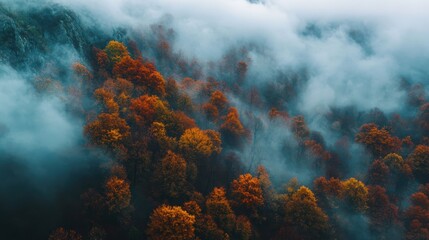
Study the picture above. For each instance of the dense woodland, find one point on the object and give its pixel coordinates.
(172, 167)
(176, 148)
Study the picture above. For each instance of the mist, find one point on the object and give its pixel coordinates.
(344, 54)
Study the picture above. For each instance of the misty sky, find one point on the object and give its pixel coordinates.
(343, 71)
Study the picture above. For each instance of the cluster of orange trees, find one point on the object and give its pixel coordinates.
(168, 178)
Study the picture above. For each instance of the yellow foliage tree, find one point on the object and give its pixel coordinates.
(355, 193)
(303, 213)
(116, 51)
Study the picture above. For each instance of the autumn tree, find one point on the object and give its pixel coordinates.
(63, 234)
(147, 109)
(378, 141)
(247, 192)
(328, 192)
(108, 130)
(307, 218)
(196, 144)
(232, 129)
(419, 162)
(211, 112)
(116, 51)
(107, 101)
(171, 223)
(355, 194)
(417, 217)
(205, 226)
(148, 80)
(219, 100)
(423, 118)
(82, 73)
(383, 214)
(243, 228)
(218, 207)
(299, 128)
(378, 173)
(118, 194)
(170, 175)
(160, 141)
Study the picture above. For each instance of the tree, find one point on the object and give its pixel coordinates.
(205, 226)
(355, 194)
(118, 194)
(62, 234)
(419, 162)
(211, 112)
(147, 109)
(108, 130)
(300, 129)
(160, 141)
(378, 141)
(219, 100)
(107, 100)
(307, 218)
(149, 80)
(195, 144)
(383, 214)
(423, 118)
(247, 192)
(417, 217)
(156, 83)
(379, 173)
(170, 175)
(219, 208)
(328, 192)
(82, 73)
(171, 223)
(243, 228)
(116, 51)
(232, 129)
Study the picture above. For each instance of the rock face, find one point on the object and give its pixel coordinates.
(28, 35)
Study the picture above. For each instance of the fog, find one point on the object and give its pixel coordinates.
(355, 54)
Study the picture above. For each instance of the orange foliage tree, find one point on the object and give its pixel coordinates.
(232, 129)
(108, 130)
(419, 162)
(378, 141)
(218, 207)
(219, 100)
(247, 192)
(147, 109)
(196, 144)
(149, 80)
(107, 100)
(417, 217)
(118, 194)
(171, 223)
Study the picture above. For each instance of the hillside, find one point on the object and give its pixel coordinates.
(155, 120)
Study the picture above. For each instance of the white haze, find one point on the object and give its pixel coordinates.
(32, 127)
(342, 73)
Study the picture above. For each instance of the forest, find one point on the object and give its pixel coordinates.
(114, 130)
